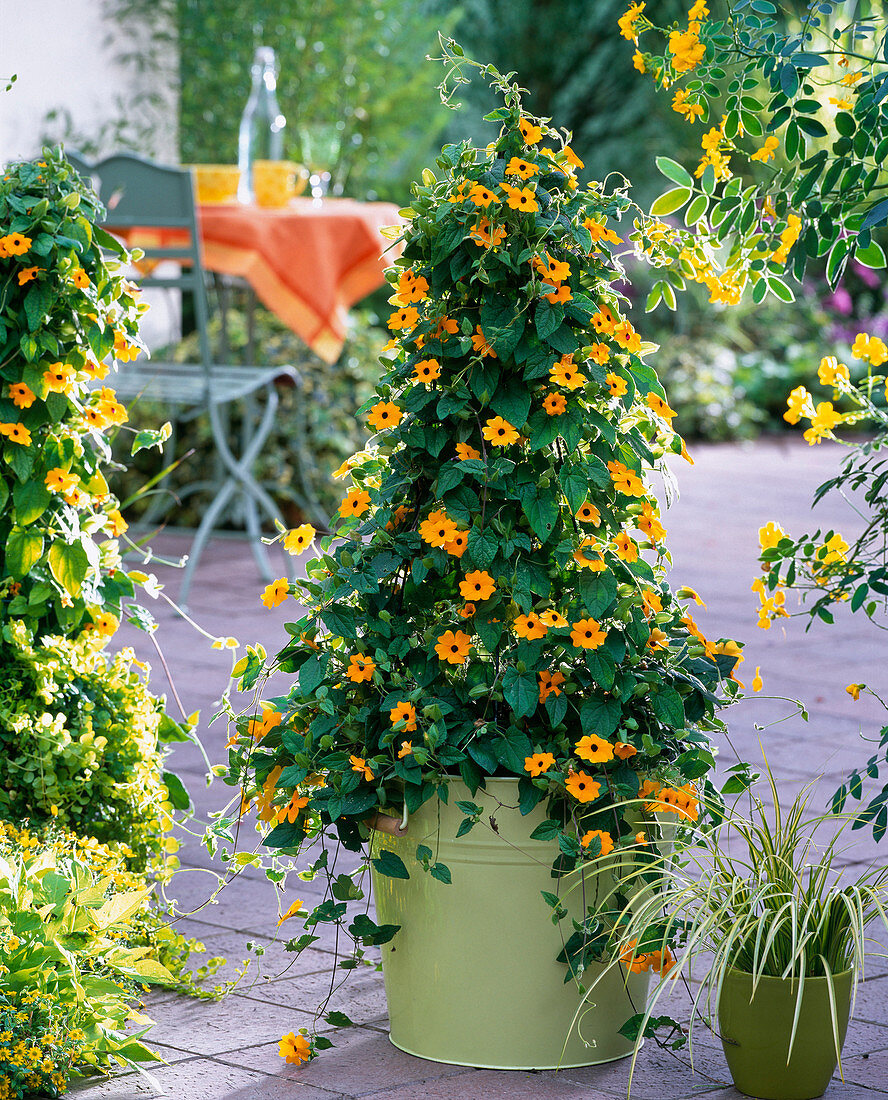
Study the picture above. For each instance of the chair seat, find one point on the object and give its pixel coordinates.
(193, 384)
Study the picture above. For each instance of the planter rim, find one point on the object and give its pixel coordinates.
(735, 971)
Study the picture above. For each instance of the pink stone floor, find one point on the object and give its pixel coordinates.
(228, 1050)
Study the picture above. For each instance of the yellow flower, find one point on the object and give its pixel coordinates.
(358, 764)
(831, 372)
(766, 152)
(404, 318)
(520, 198)
(627, 22)
(427, 370)
(555, 404)
(360, 668)
(456, 547)
(406, 749)
(799, 404)
(823, 421)
(871, 348)
(26, 274)
(588, 513)
(539, 763)
(105, 623)
(522, 168)
(658, 405)
(437, 529)
(530, 626)
(587, 634)
(594, 749)
(607, 841)
(649, 523)
(532, 134)
(60, 481)
(405, 712)
(294, 1048)
(59, 378)
(582, 787)
(843, 103)
(564, 373)
(854, 690)
(499, 432)
(23, 396)
(596, 562)
(553, 619)
(80, 278)
(625, 547)
(550, 682)
(689, 111)
(16, 433)
(16, 244)
(482, 196)
(356, 503)
(299, 539)
(757, 683)
(638, 61)
(600, 232)
(454, 646)
(625, 481)
(478, 585)
(276, 592)
(291, 912)
(484, 235)
(617, 385)
(482, 345)
(385, 414)
(465, 451)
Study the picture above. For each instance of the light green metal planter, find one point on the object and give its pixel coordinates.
(755, 1030)
(472, 978)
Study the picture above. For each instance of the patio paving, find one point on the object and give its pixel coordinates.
(228, 1050)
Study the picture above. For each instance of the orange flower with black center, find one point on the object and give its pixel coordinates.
(356, 503)
(427, 370)
(478, 585)
(404, 318)
(550, 684)
(520, 198)
(437, 529)
(658, 405)
(623, 750)
(467, 611)
(588, 513)
(532, 134)
(360, 668)
(649, 523)
(651, 602)
(123, 350)
(482, 196)
(587, 634)
(552, 270)
(27, 274)
(659, 639)
(485, 236)
(600, 232)
(105, 623)
(522, 168)
(16, 244)
(116, 524)
(582, 787)
(275, 593)
(555, 404)
(626, 336)
(23, 396)
(412, 288)
(258, 728)
(59, 378)
(625, 547)
(617, 385)
(605, 839)
(564, 373)
(625, 481)
(594, 749)
(560, 296)
(95, 370)
(539, 763)
(588, 555)
(499, 432)
(456, 547)
(599, 353)
(444, 327)
(406, 713)
(16, 433)
(453, 647)
(530, 626)
(553, 619)
(80, 278)
(604, 321)
(482, 345)
(465, 451)
(299, 539)
(359, 764)
(60, 481)
(291, 811)
(385, 414)
(95, 418)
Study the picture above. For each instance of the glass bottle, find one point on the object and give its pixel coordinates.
(261, 133)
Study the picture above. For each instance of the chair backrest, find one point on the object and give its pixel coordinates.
(158, 200)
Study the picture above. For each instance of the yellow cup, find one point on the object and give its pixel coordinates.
(275, 182)
(216, 183)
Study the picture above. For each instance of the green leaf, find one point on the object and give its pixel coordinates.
(390, 864)
(482, 547)
(370, 933)
(178, 795)
(871, 256)
(339, 1019)
(513, 404)
(542, 514)
(696, 210)
(69, 565)
(599, 715)
(23, 550)
(672, 170)
(311, 674)
(30, 499)
(670, 201)
(441, 872)
(667, 705)
(546, 830)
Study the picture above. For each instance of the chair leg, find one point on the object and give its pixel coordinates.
(202, 535)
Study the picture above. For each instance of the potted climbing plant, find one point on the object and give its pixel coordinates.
(780, 933)
(490, 673)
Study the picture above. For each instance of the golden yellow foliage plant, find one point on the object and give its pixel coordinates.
(493, 601)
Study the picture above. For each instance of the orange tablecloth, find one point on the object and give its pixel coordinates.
(307, 262)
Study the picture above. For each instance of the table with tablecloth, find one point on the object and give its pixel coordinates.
(307, 262)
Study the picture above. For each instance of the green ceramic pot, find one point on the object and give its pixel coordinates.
(472, 978)
(755, 1030)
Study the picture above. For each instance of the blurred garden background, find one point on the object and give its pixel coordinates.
(169, 78)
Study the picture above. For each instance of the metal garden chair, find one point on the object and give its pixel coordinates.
(140, 195)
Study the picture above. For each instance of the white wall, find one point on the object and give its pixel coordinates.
(61, 53)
